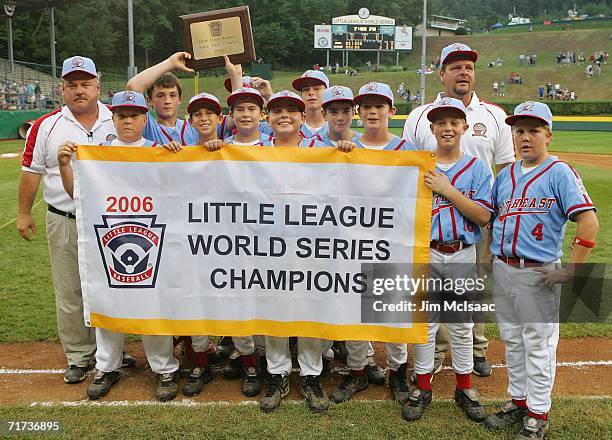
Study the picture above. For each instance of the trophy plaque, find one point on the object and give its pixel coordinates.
(209, 35)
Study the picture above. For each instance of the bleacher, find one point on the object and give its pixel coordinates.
(25, 71)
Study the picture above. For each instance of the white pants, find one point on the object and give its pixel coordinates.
(358, 352)
(527, 314)
(278, 356)
(461, 264)
(328, 353)
(159, 351)
(244, 344)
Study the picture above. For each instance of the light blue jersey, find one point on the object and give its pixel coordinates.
(307, 133)
(472, 178)
(312, 142)
(327, 140)
(182, 132)
(532, 209)
(263, 138)
(395, 144)
(117, 142)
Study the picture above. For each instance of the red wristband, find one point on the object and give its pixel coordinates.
(584, 243)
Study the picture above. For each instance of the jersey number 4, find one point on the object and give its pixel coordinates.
(537, 232)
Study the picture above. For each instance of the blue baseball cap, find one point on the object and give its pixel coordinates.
(286, 95)
(79, 64)
(531, 109)
(446, 103)
(337, 93)
(245, 92)
(247, 81)
(310, 75)
(374, 89)
(129, 99)
(457, 51)
(204, 98)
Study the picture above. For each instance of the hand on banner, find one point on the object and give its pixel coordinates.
(213, 145)
(64, 153)
(438, 183)
(173, 146)
(345, 146)
(179, 61)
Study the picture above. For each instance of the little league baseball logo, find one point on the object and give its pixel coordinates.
(445, 101)
(527, 107)
(337, 91)
(216, 28)
(130, 247)
(372, 87)
(129, 96)
(479, 129)
(78, 62)
(110, 137)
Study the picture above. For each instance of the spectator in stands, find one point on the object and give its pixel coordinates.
(572, 95)
(549, 90)
(30, 95)
(42, 102)
(502, 88)
(589, 71)
(521, 59)
(495, 88)
(541, 90)
(408, 97)
(2, 96)
(21, 94)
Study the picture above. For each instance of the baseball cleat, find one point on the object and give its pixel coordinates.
(482, 367)
(278, 387)
(398, 383)
(469, 402)
(74, 374)
(311, 389)
(167, 387)
(509, 415)
(533, 429)
(416, 403)
(251, 382)
(102, 384)
(375, 374)
(197, 378)
(349, 386)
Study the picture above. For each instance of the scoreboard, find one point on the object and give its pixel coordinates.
(363, 37)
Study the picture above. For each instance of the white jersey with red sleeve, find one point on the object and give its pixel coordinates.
(45, 137)
(488, 137)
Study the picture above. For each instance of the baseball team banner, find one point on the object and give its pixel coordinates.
(246, 240)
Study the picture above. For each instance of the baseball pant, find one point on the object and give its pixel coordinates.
(244, 344)
(461, 264)
(328, 353)
(359, 351)
(278, 356)
(480, 341)
(527, 314)
(159, 351)
(78, 340)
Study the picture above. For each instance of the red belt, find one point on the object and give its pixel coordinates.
(520, 262)
(448, 247)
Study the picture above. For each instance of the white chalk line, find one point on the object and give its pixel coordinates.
(12, 221)
(340, 370)
(193, 403)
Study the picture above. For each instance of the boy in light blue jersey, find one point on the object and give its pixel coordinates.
(338, 111)
(164, 94)
(461, 204)
(129, 116)
(311, 86)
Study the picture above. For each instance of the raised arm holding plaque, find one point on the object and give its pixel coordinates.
(210, 35)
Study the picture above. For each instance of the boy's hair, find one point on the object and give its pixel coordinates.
(167, 81)
(252, 101)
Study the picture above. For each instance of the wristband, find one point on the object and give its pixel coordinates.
(584, 243)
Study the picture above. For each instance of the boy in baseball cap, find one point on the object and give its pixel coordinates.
(129, 116)
(533, 199)
(461, 203)
(286, 115)
(338, 111)
(246, 104)
(376, 107)
(311, 85)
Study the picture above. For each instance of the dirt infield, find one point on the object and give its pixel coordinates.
(597, 160)
(33, 373)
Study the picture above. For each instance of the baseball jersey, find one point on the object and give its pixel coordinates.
(224, 131)
(305, 132)
(182, 132)
(472, 178)
(311, 142)
(139, 143)
(395, 144)
(44, 138)
(325, 139)
(488, 137)
(532, 209)
(262, 139)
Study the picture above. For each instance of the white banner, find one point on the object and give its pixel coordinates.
(246, 240)
(403, 38)
(322, 36)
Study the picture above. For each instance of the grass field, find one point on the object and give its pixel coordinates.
(573, 419)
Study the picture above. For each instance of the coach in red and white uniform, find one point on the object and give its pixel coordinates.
(488, 138)
(83, 120)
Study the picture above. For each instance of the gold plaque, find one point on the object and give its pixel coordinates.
(210, 35)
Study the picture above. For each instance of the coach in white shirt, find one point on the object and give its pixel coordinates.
(488, 137)
(83, 120)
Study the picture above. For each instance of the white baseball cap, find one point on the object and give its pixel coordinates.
(337, 93)
(374, 89)
(79, 64)
(286, 95)
(245, 92)
(310, 75)
(446, 103)
(531, 109)
(457, 51)
(207, 98)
